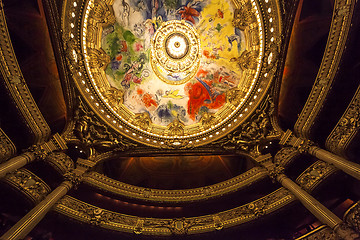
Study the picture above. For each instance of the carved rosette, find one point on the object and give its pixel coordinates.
(33, 187)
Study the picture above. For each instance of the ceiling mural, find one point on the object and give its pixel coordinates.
(172, 59)
(172, 73)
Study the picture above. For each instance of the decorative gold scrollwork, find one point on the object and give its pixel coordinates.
(115, 96)
(248, 60)
(98, 58)
(176, 128)
(243, 17)
(142, 120)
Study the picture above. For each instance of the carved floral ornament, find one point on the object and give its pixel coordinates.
(160, 85)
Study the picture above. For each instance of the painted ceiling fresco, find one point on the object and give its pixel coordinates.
(173, 59)
(172, 73)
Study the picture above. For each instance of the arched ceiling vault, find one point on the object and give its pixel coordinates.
(171, 107)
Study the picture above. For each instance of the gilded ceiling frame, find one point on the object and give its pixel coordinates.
(74, 41)
(17, 87)
(339, 29)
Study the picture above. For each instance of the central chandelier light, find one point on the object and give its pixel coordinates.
(175, 52)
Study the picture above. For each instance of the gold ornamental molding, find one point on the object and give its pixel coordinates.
(85, 25)
(346, 128)
(17, 87)
(315, 174)
(30, 185)
(90, 214)
(7, 147)
(107, 184)
(340, 25)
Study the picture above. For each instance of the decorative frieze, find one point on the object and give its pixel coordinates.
(28, 184)
(314, 174)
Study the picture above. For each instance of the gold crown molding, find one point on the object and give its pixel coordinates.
(107, 184)
(7, 147)
(346, 128)
(315, 175)
(80, 43)
(352, 216)
(90, 214)
(321, 232)
(17, 87)
(28, 184)
(60, 162)
(340, 25)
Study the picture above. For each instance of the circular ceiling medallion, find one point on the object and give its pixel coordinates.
(175, 52)
(172, 74)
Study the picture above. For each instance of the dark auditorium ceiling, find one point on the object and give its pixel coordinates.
(175, 102)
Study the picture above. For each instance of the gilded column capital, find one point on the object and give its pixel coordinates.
(72, 177)
(302, 145)
(276, 171)
(40, 151)
(75, 176)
